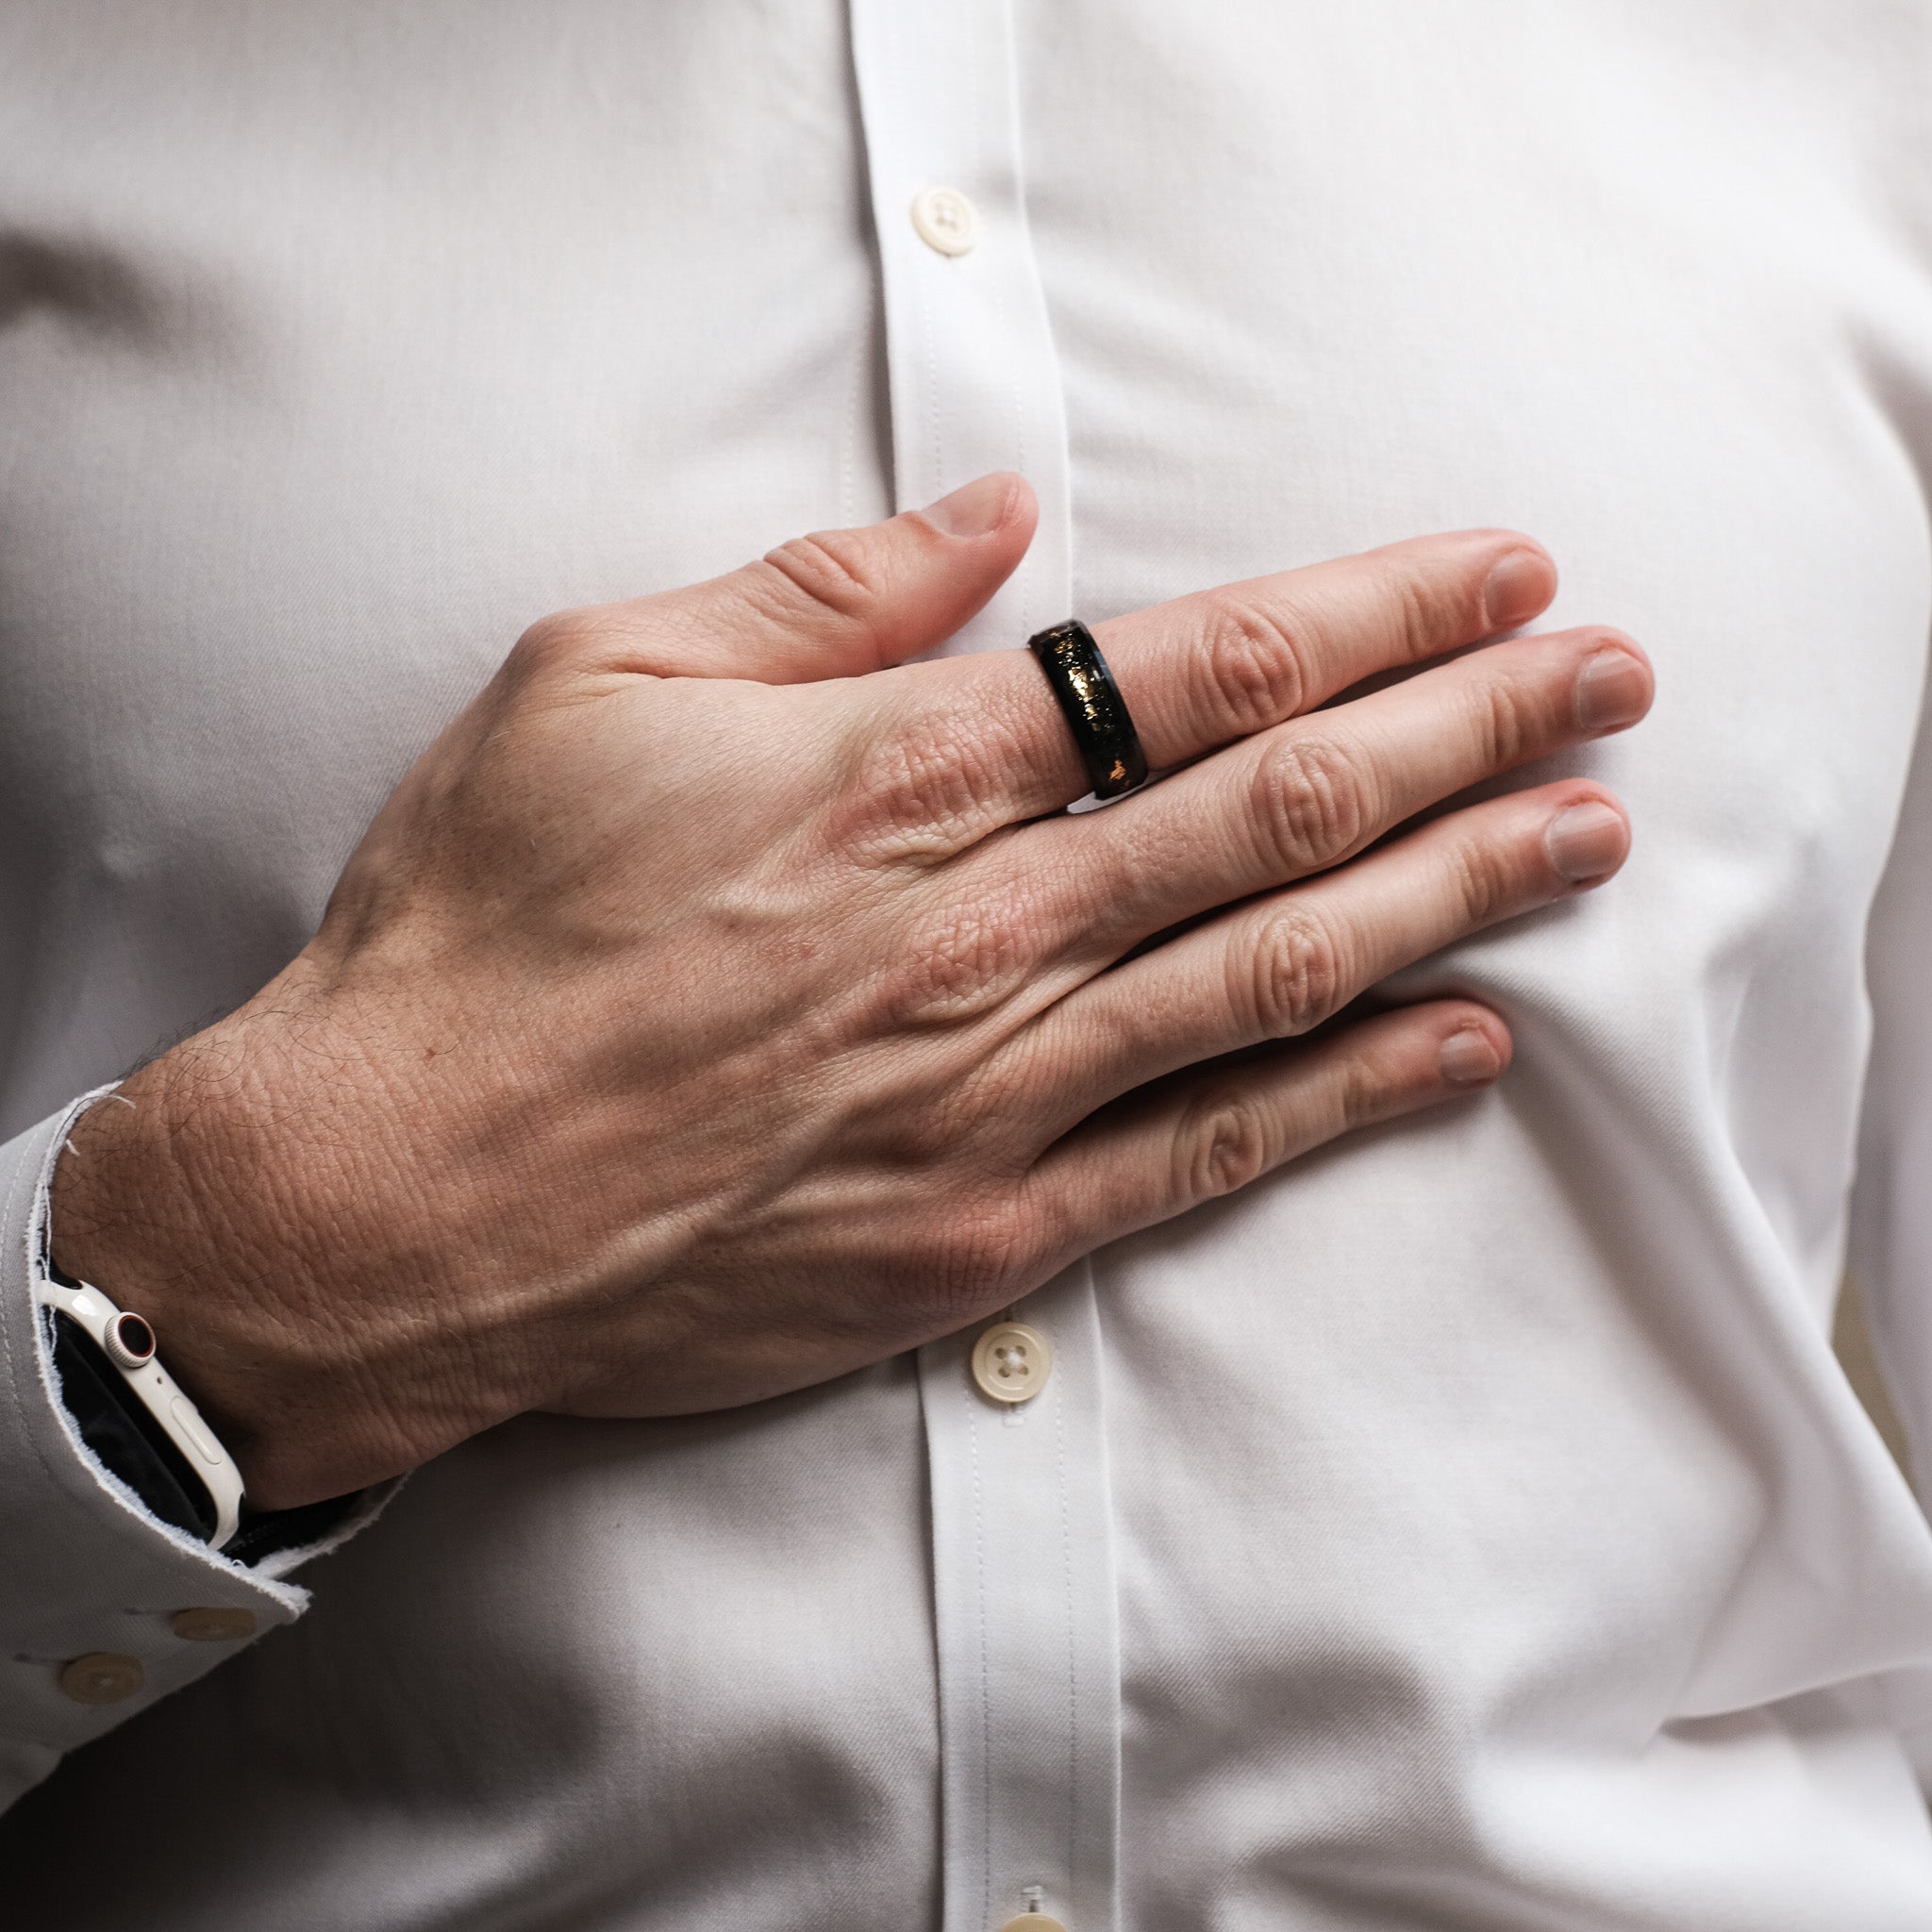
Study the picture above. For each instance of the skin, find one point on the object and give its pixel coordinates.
(722, 1004)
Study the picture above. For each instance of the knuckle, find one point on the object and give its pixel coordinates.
(1482, 881)
(1363, 1098)
(928, 1137)
(1422, 616)
(833, 568)
(1222, 1145)
(549, 641)
(968, 962)
(1510, 724)
(1296, 975)
(922, 789)
(983, 1256)
(589, 638)
(1254, 665)
(1308, 803)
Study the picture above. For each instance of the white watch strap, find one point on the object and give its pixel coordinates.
(158, 1392)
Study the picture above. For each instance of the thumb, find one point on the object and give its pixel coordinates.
(840, 602)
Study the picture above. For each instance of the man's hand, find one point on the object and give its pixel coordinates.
(700, 1019)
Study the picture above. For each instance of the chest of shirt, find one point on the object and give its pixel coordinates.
(334, 360)
(346, 345)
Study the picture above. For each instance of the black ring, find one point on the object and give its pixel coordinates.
(1095, 711)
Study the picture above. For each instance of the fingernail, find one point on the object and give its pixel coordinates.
(1468, 1060)
(1612, 689)
(1519, 586)
(1588, 842)
(974, 509)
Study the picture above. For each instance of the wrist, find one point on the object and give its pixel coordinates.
(193, 1197)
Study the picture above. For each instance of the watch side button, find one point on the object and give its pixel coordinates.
(192, 1425)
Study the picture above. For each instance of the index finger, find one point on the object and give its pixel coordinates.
(1219, 665)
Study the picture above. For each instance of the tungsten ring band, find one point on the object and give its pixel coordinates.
(1095, 712)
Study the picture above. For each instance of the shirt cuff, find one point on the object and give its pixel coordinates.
(89, 1573)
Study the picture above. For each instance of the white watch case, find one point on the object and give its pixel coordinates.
(129, 1343)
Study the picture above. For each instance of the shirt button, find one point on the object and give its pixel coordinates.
(212, 1626)
(945, 220)
(1011, 1363)
(101, 1677)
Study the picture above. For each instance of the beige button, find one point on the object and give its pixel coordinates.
(101, 1677)
(1033, 1922)
(1011, 1363)
(945, 220)
(212, 1626)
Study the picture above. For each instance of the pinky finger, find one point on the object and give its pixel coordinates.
(1191, 1138)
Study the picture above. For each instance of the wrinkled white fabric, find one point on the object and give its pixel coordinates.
(1469, 1528)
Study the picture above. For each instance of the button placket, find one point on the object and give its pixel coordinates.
(974, 382)
(1023, 1560)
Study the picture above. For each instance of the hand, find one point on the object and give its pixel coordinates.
(700, 1019)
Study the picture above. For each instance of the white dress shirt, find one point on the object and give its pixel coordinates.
(1468, 1527)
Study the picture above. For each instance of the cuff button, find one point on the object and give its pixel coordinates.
(212, 1626)
(101, 1677)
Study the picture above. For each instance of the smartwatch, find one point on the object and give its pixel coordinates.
(103, 1351)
